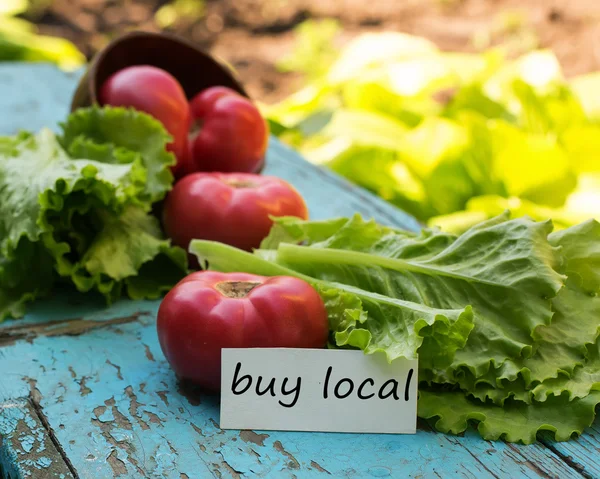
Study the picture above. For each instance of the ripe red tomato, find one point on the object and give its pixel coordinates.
(233, 134)
(232, 208)
(208, 311)
(158, 93)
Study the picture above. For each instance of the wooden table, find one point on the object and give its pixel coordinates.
(86, 392)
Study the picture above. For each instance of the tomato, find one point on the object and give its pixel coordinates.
(232, 208)
(233, 135)
(158, 93)
(208, 311)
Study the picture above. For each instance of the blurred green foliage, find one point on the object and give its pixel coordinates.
(174, 11)
(19, 40)
(314, 52)
(452, 138)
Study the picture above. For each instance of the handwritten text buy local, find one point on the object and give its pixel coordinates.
(289, 391)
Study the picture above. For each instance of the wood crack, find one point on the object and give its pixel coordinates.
(228, 467)
(568, 460)
(66, 327)
(34, 398)
(474, 456)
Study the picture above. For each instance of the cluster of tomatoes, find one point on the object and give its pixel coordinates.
(219, 139)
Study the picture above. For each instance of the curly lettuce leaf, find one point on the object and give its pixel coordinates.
(565, 356)
(562, 348)
(451, 412)
(70, 204)
(127, 253)
(331, 233)
(359, 318)
(400, 328)
(38, 175)
(28, 275)
(579, 384)
(119, 135)
(287, 229)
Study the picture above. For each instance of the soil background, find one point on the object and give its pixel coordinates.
(253, 35)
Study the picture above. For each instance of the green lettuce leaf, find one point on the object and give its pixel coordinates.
(446, 272)
(580, 248)
(360, 318)
(28, 275)
(119, 135)
(36, 178)
(77, 207)
(564, 351)
(561, 355)
(128, 252)
(579, 384)
(451, 411)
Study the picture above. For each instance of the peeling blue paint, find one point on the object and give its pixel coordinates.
(23, 438)
(40, 440)
(27, 442)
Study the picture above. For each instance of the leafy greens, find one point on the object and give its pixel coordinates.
(452, 138)
(76, 207)
(504, 317)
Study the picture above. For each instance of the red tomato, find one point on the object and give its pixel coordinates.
(232, 208)
(208, 311)
(233, 134)
(158, 93)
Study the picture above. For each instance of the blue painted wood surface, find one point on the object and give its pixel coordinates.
(86, 392)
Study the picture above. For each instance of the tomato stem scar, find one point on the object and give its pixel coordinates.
(236, 289)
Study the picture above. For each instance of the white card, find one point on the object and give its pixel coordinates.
(317, 390)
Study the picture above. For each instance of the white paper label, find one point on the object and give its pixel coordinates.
(317, 390)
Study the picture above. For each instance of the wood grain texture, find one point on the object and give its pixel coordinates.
(98, 378)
